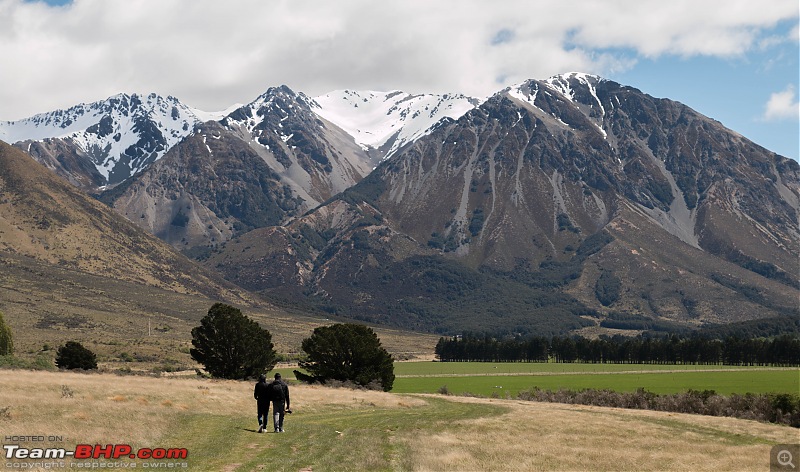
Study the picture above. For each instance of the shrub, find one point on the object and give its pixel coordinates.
(73, 355)
(6, 340)
(607, 288)
(775, 408)
(231, 345)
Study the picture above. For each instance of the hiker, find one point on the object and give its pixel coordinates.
(279, 394)
(261, 394)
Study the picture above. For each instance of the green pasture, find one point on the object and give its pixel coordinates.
(493, 368)
(510, 378)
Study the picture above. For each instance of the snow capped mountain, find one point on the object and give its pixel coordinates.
(388, 120)
(276, 102)
(266, 162)
(120, 135)
(108, 141)
(578, 89)
(317, 159)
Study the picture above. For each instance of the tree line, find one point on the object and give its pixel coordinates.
(781, 350)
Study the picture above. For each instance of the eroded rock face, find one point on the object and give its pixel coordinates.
(692, 214)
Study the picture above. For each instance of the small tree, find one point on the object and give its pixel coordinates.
(231, 345)
(347, 352)
(74, 356)
(6, 340)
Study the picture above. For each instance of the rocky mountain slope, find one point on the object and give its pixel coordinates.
(47, 221)
(554, 205)
(604, 202)
(258, 165)
(266, 162)
(72, 269)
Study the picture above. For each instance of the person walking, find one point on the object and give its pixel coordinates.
(261, 394)
(279, 394)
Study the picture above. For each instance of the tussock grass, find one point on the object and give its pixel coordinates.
(339, 429)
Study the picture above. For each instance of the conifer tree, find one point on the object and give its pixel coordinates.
(347, 352)
(232, 346)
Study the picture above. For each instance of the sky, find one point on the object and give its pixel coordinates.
(735, 61)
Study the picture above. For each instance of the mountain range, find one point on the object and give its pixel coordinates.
(572, 203)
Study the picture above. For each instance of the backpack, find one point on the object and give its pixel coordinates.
(276, 391)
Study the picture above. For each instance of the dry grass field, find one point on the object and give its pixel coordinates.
(339, 429)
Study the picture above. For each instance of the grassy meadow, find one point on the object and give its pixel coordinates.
(487, 379)
(339, 429)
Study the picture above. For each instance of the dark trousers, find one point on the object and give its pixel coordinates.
(263, 414)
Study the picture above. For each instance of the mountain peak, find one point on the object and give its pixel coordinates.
(121, 134)
(278, 101)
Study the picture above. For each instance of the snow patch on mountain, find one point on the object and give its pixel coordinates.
(563, 84)
(389, 120)
(568, 85)
(525, 92)
(205, 116)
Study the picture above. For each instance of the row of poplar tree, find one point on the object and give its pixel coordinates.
(781, 350)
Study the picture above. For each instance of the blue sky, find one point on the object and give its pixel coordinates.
(733, 60)
(733, 90)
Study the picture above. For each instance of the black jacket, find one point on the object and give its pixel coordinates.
(279, 391)
(261, 393)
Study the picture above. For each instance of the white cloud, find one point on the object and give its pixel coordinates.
(782, 105)
(211, 53)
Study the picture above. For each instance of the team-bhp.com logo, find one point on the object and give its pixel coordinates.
(97, 451)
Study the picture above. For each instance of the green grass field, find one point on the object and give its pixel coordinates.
(510, 378)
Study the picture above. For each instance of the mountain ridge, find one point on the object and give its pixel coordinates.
(105, 142)
(699, 218)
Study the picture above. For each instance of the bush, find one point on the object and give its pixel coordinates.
(346, 352)
(774, 408)
(74, 356)
(231, 345)
(607, 288)
(6, 340)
